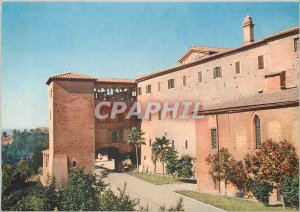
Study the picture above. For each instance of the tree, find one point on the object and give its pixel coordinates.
(239, 178)
(185, 166)
(159, 150)
(83, 191)
(4, 134)
(171, 159)
(262, 191)
(135, 136)
(220, 166)
(50, 198)
(272, 163)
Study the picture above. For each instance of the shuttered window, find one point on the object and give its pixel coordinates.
(171, 83)
(237, 67)
(200, 76)
(260, 61)
(217, 72)
(296, 44)
(148, 89)
(139, 91)
(184, 80)
(214, 140)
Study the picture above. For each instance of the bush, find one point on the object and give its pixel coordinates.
(262, 191)
(289, 189)
(185, 166)
(171, 161)
(122, 202)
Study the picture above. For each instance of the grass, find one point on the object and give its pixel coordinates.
(231, 203)
(155, 178)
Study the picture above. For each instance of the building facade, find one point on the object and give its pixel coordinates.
(246, 93)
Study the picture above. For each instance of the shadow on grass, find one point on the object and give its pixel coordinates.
(192, 181)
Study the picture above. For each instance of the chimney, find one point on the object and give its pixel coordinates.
(248, 29)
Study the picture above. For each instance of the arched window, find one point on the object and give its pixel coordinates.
(173, 143)
(150, 142)
(74, 163)
(257, 132)
(186, 144)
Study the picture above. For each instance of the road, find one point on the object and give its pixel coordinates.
(157, 195)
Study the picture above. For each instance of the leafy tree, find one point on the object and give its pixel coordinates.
(185, 166)
(135, 136)
(4, 134)
(272, 163)
(238, 177)
(160, 148)
(171, 161)
(221, 165)
(50, 198)
(289, 189)
(122, 202)
(82, 191)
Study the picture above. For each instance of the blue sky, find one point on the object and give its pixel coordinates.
(112, 40)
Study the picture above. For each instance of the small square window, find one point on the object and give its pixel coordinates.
(171, 83)
(260, 61)
(296, 44)
(200, 76)
(139, 91)
(184, 80)
(237, 67)
(148, 89)
(217, 72)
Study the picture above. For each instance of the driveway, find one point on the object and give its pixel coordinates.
(157, 195)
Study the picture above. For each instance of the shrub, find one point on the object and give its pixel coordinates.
(289, 189)
(185, 166)
(262, 191)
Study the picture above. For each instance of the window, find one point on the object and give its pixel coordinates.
(296, 44)
(148, 89)
(139, 91)
(257, 132)
(260, 61)
(214, 139)
(237, 67)
(171, 83)
(145, 157)
(150, 142)
(186, 144)
(278, 195)
(74, 163)
(173, 143)
(158, 86)
(200, 76)
(114, 136)
(150, 116)
(159, 115)
(184, 80)
(217, 72)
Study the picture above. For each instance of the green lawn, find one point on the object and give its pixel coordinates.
(230, 203)
(155, 178)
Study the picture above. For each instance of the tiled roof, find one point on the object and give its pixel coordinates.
(260, 100)
(71, 75)
(115, 80)
(218, 55)
(77, 76)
